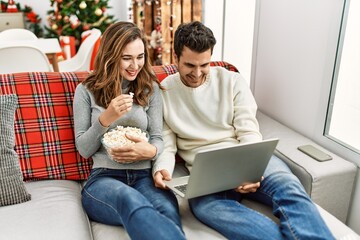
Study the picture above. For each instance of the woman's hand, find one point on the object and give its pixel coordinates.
(117, 108)
(140, 150)
(248, 187)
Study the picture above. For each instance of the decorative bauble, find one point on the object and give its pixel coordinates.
(82, 5)
(86, 27)
(98, 12)
(54, 26)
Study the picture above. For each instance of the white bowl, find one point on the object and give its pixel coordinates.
(116, 137)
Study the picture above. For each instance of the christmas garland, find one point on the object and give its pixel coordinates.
(32, 20)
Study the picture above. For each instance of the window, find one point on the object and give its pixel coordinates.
(343, 119)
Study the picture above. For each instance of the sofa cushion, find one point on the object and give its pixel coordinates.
(329, 184)
(55, 212)
(193, 228)
(44, 124)
(12, 189)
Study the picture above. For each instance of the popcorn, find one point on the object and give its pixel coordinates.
(117, 138)
(131, 94)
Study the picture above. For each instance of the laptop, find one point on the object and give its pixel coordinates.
(224, 168)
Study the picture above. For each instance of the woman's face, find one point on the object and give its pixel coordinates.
(132, 59)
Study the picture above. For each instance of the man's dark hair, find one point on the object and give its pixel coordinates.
(194, 35)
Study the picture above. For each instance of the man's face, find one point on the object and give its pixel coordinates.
(193, 67)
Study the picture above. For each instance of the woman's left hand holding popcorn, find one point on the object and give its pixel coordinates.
(140, 150)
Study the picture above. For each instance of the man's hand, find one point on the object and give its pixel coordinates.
(248, 187)
(159, 178)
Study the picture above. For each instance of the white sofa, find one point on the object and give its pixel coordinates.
(55, 211)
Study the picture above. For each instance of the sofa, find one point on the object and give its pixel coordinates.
(42, 174)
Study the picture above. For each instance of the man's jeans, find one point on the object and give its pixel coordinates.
(281, 190)
(129, 198)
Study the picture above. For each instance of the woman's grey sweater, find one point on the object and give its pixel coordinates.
(89, 131)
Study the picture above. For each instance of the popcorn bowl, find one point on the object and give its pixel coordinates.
(116, 137)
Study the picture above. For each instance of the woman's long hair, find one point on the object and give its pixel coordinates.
(105, 81)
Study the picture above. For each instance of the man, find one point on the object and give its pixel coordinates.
(207, 107)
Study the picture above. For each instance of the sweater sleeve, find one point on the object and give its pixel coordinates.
(155, 124)
(87, 135)
(245, 122)
(166, 159)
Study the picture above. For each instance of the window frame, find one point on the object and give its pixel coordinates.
(324, 137)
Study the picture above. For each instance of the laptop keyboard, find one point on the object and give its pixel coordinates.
(181, 188)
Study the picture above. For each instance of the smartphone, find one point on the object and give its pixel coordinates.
(315, 153)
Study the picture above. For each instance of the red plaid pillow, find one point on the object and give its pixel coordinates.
(226, 65)
(44, 124)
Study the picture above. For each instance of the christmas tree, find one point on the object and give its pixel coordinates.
(72, 17)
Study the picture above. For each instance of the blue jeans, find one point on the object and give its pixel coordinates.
(281, 190)
(130, 199)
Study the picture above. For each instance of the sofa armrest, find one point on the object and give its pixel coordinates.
(329, 184)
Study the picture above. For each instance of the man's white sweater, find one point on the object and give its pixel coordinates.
(220, 112)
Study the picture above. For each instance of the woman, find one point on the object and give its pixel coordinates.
(120, 190)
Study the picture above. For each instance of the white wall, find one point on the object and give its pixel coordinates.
(233, 31)
(215, 22)
(39, 9)
(238, 45)
(294, 47)
(295, 53)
